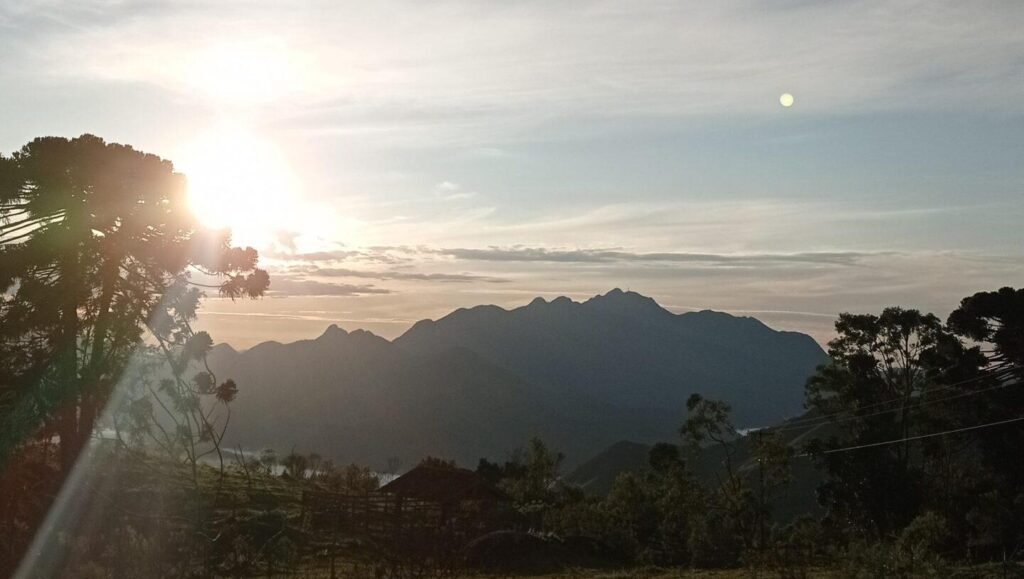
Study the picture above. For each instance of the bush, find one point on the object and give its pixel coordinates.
(917, 552)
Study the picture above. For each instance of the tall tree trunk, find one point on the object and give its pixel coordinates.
(95, 391)
(67, 419)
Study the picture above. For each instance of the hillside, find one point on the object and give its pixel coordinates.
(356, 397)
(481, 382)
(596, 475)
(793, 499)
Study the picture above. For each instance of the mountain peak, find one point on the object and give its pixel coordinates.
(223, 349)
(539, 302)
(332, 332)
(625, 301)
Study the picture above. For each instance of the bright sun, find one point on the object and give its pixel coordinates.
(245, 72)
(240, 180)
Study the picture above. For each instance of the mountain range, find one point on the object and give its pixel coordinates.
(480, 382)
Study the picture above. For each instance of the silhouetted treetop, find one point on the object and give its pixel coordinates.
(995, 318)
(97, 243)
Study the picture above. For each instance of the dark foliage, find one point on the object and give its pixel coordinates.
(97, 246)
(902, 375)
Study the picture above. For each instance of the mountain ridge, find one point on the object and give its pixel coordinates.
(623, 338)
(480, 381)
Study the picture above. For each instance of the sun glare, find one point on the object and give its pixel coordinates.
(240, 180)
(245, 72)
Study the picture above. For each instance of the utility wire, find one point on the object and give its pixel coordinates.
(828, 420)
(919, 437)
(986, 374)
(815, 420)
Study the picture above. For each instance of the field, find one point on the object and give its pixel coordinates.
(980, 572)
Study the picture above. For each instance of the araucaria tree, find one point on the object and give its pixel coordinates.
(97, 245)
(995, 320)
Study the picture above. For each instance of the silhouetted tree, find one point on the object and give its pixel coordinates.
(98, 247)
(652, 515)
(437, 462)
(773, 457)
(995, 318)
(996, 509)
(268, 460)
(295, 465)
(316, 463)
(352, 479)
(92, 237)
(883, 367)
(529, 478)
(708, 423)
(739, 505)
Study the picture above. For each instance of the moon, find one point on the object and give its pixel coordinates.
(786, 100)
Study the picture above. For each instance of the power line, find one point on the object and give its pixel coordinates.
(817, 420)
(987, 374)
(919, 437)
(822, 422)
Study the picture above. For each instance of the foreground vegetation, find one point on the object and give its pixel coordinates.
(143, 518)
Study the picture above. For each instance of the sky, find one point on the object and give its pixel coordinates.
(395, 160)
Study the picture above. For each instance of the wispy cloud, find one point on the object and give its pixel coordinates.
(848, 258)
(304, 287)
(394, 275)
(374, 255)
(448, 191)
(332, 255)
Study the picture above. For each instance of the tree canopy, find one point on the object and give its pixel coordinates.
(97, 245)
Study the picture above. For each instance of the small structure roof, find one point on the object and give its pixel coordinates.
(442, 484)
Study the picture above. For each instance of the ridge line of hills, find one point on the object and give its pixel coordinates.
(479, 382)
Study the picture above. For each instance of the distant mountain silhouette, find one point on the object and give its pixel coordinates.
(357, 397)
(480, 382)
(625, 349)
